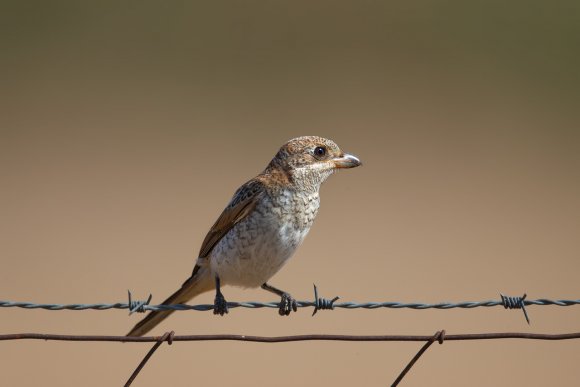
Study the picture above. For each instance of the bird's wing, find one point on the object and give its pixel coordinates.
(241, 205)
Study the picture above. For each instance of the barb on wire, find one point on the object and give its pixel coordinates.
(322, 303)
(318, 304)
(515, 303)
(138, 306)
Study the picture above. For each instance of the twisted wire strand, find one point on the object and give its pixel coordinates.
(275, 305)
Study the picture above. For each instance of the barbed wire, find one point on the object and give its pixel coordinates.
(319, 303)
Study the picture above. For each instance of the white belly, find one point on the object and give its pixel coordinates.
(256, 248)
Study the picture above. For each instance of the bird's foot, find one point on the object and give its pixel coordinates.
(220, 305)
(287, 305)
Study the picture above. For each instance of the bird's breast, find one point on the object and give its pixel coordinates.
(257, 247)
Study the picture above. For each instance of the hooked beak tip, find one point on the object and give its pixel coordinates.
(347, 161)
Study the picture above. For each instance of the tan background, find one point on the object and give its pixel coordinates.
(126, 128)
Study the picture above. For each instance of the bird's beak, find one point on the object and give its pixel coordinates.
(346, 161)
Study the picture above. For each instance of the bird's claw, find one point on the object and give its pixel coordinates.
(220, 305)
(287, 305)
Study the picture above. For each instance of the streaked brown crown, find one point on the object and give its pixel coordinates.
(306, 162)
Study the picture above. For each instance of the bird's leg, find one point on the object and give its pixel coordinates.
(287, 304)
(220, 305)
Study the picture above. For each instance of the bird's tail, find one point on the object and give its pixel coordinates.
(198, 283)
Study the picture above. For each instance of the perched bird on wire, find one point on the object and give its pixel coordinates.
(259, 230)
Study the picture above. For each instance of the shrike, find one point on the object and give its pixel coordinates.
(262, 226)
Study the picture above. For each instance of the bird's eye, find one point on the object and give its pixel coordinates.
(320, 151)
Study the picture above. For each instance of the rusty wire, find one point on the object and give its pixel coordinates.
(283, 339)
(170, 337)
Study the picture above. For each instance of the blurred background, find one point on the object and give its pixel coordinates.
(125, 128)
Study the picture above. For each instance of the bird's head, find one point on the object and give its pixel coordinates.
(310, 160)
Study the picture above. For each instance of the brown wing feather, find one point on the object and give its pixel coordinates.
(241, 205)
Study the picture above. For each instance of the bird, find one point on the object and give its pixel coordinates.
(264, 223)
